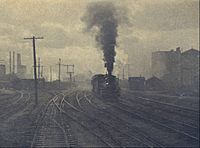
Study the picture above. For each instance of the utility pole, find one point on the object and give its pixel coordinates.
(10, 62)
(70, 73)
(123, 75)
(50, 73)
(38, 67)
(35, 62)
(59, 70)
(128, 70)
(42, 68)
(13, 62)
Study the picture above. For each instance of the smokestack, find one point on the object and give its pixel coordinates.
(13, 62)
(109, 67)
(10, 63)
(18, 61)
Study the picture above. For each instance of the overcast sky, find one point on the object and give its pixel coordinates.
(153, 25)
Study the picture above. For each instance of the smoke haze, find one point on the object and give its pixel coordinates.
(105, 17)
(149, 26)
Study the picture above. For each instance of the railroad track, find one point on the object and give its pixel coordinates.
(191, 133)
(5, 99)
(184, 115)
(133, 131)
(191, 130)
(51, 131)
(82, 123)
(8, 101)
(68, 116)
(72, 141)
(118, 137)
(185, 111)
(181, 134)
(16, 106)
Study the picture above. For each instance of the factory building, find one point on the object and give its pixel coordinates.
(190, 68)
(176, 69)
(21, 69)
(166, 66)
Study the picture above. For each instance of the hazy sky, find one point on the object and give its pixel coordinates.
(153, 25)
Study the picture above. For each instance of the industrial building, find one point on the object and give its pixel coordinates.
(21, 69)
(177, 69)
(190, 69)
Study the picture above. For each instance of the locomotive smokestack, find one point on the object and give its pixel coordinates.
(109, 67)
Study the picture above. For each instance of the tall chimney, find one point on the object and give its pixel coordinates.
(13, 62)
(10, 63)
(18, 61)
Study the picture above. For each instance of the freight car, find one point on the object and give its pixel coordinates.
(105, 85)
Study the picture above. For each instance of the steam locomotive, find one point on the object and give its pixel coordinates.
(105, 85)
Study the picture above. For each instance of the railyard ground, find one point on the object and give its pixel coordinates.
(83, 119)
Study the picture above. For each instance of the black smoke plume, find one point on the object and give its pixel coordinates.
(103, 15)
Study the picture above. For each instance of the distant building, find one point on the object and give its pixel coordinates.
(136, 83)
(2, 70)
(176, 69)
(21, 69)
(155, 84)
(190, 69)
(166, 66)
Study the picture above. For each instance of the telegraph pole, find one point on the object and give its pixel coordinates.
(42, 68)
(50, 73)
(70, 73)
(59, 70)
(13, 62)
(38, 67)
(35, 62)
(123, 74)
(10, 63)
(128, 70)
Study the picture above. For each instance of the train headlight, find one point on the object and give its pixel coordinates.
(106, 84)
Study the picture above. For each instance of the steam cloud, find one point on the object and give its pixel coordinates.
(104, 16)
